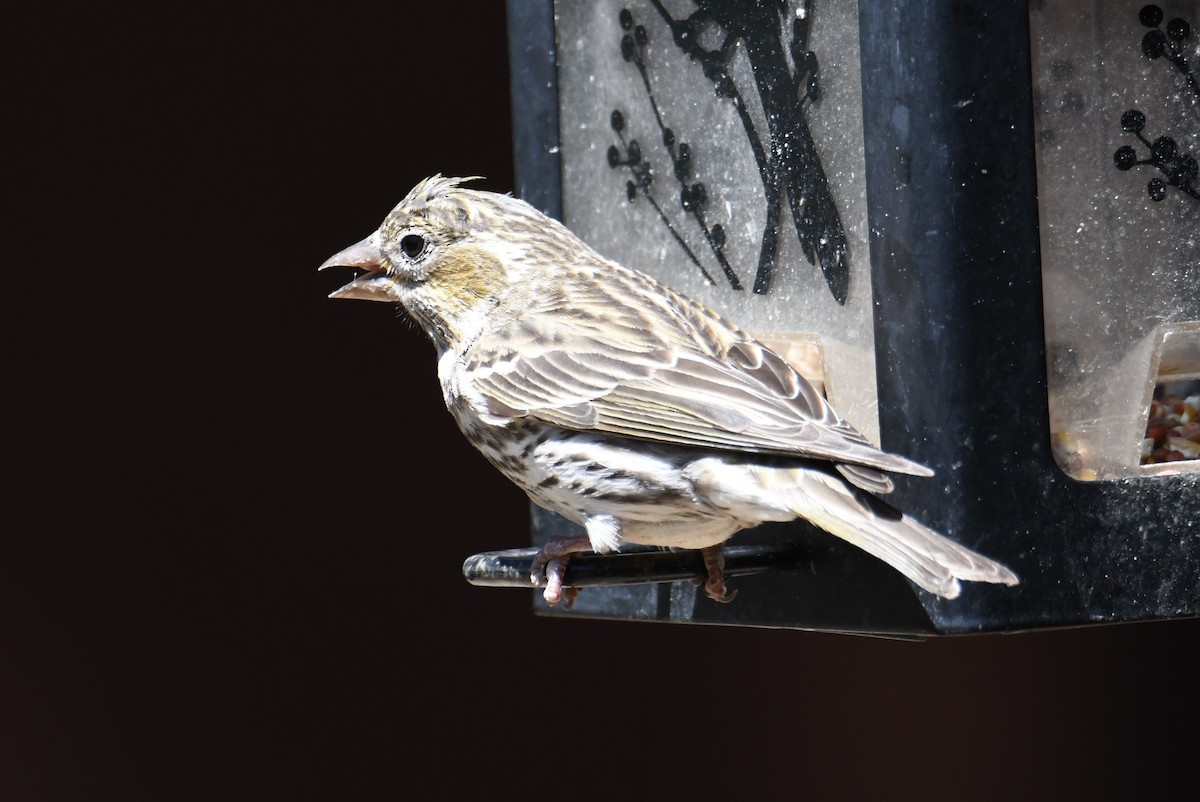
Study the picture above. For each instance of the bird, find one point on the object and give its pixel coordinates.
(624, 406)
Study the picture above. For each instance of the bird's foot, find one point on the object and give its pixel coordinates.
(714, 564)
(550, 567)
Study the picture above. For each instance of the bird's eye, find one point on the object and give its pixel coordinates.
(412, 245)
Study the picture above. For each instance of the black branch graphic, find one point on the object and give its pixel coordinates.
(693, 197)
(787, 161)
(1178, 170)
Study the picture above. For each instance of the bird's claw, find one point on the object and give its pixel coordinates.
(556, 569)
(555, 591)
(717, 592)
(549, 569)
(714, 565)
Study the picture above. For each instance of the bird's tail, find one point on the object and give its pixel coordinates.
(929, 559)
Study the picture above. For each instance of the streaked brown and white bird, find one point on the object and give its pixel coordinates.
(624, 406)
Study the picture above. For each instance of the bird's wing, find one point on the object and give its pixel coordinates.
(676, 374)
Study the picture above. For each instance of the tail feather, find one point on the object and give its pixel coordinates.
(932, 561)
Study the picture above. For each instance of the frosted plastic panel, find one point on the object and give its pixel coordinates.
(721, 151)
(1118, 129)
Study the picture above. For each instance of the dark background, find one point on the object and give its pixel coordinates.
(236, 511)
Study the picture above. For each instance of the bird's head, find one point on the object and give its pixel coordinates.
(448, 254)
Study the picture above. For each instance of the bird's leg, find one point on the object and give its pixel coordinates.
(552, 558)
(714, 564)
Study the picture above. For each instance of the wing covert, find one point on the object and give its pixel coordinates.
(692, 380)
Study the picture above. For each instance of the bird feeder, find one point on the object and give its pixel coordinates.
(976, 228)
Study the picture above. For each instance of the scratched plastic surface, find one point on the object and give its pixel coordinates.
(1120, 221)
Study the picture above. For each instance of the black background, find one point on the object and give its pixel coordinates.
(236, 511)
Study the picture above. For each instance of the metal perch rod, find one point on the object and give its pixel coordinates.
(633, 566)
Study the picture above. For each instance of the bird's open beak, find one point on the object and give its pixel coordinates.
(373, 285)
